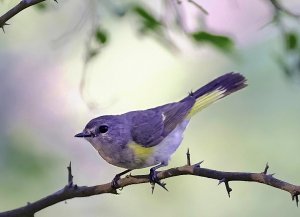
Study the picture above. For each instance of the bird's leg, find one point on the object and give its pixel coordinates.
(153, 176)
(114, 182)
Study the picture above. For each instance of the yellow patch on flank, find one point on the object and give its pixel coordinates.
(205, 100)
(141, 152)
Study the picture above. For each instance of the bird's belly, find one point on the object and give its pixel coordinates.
(150, 156)
(163, 151)
(121, 157)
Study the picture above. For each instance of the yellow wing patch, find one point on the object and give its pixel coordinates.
(205, 100)
(141, 152)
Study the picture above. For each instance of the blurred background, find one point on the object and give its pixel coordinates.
(63, 64)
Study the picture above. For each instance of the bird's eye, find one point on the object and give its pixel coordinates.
(103, 129)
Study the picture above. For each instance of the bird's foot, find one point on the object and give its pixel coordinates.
(114, 183)
(155, 180)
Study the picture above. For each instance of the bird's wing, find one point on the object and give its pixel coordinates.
(150, 127)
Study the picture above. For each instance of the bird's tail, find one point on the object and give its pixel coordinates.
(217, 89)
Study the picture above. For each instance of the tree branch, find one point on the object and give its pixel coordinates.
(72, 191)
(23, 4)
(279, 8)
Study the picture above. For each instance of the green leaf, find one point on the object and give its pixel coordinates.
(291, 40)
(220, 41)
(101, 36)
(147, 18)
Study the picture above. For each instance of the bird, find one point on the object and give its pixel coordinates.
(148, 138)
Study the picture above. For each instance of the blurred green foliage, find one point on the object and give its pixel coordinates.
(148, 20)
(101, 36)
(291, 40)
(219, 41)
(287, 23)
(98, 40)
(41, 6)
(19, 163)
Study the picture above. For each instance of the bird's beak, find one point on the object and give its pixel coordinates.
(83, 135)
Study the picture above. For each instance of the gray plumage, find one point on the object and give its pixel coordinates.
(145, 138)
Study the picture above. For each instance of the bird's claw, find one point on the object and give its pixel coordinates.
(114, 182)
(155, 180)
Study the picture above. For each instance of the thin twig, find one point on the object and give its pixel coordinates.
(199, 7)
(278, 7)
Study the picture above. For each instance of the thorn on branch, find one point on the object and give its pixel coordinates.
(271, 175)
(295, 196)
(161, 184)
(2, 27)
(70, 176)
(266, 169)
(188, 157)
(152, 187)
(197, 165)
(221, 181)
(191, 93)
(228, 189)
(265, 172)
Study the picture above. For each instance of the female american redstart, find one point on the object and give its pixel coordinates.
(145, 138)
